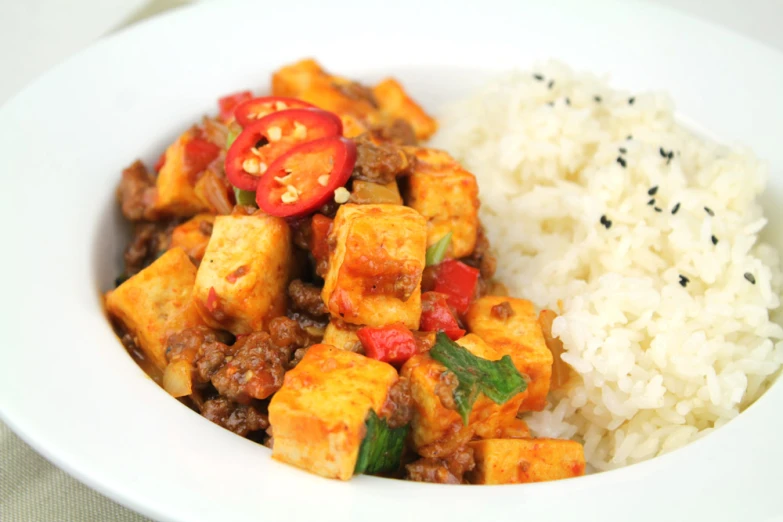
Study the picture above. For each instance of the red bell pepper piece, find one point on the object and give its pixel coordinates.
(393, 343)
(252, 110)
(319, 246)
(199, 153)
(161, 161)
(229, 103)
(436, 316)
(312, 171)
(458, 281)
(263, 141)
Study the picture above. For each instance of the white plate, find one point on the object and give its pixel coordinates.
(68, 387)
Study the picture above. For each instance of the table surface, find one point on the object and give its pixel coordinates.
(30, 488)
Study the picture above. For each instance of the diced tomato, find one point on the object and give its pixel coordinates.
(253, 110)
(306, 177)
(436, 316)
(161, 161)
(458, 281)
(262, 142)
(229, 103)
(319, 246)
(393, 344)
(199, 153)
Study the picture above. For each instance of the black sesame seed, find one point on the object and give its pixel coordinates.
(550, 84)
(568, 101)
(653, 190)
(629, 137)
(658, 209)
(676, 208)
(670, 155)
(551, 104)
(538, 77)
(663, 152)
(684, 281)
(623, 150)
(603, 219)
(651, 202)
(597, 99)
(750, 278)
(709, 211)
(631, 100)
(714, 240)
(621, 161)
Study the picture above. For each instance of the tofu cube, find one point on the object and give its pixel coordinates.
(176, 195)
(318, 415)
(241, 282)
(307, 81)
(375, 269)
(342, 336)
(395, 103)
(447, 196)
(433, 422)
(193, 236)
(155, 303)
(520, 337)
(517, 461)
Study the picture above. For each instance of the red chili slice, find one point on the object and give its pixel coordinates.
(306, 177)
(262, 142)
(253, 110)
(229, 103)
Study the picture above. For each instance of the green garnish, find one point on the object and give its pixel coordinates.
(381, 449)
(232, 135)
(498, 380)
(245, 197)
(437, 252)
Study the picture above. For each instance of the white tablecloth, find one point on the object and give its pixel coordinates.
(31, 489)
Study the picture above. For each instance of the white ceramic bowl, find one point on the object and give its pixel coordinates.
(68, 387)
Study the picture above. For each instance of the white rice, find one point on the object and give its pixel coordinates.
(657, 364)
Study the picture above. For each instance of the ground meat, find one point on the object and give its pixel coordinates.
(445, 389)
(298, 356)
(256, 369)
(306, 298)
(379, 162)
(188, 343)
(448, 470)
(239, 418)
(287, 333)
(137, 192)
(398, 408)
(205, 227)
(301, 232)
(398, 132)
(428, 278)
(148, 242)
(356, 91)
(210, 358)
(481, 257)
(502, 311)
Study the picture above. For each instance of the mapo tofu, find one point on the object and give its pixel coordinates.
(306, 272)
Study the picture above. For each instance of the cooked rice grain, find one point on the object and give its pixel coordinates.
(667, 334)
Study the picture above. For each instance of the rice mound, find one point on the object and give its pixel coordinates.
(644, 237)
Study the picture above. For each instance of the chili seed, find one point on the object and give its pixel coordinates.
(676, 208)
(750, 278)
